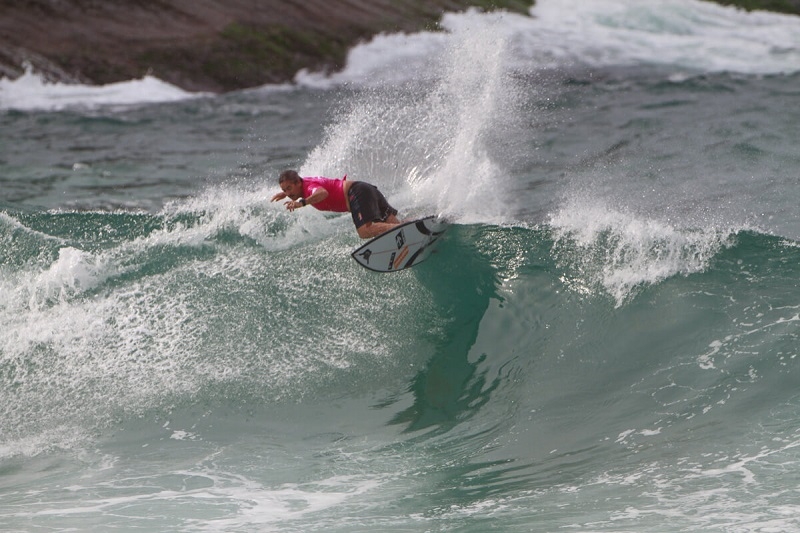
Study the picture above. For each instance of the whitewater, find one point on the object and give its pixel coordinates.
(606, 339)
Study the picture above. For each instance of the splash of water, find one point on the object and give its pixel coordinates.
(434, 144)
(620, 253)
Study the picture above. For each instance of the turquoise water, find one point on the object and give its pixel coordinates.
(605, 340)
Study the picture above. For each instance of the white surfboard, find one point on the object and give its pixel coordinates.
(405, 245)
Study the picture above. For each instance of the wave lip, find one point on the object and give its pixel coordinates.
(621, 253)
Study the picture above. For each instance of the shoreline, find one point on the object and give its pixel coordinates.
(218, 45)
(204, 45)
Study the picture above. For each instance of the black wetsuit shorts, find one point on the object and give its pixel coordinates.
(367, 204)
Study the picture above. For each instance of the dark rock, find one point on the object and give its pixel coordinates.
(209, 45)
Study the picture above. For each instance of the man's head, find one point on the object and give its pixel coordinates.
(291, 184)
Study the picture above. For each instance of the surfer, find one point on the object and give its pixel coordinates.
(372, 214)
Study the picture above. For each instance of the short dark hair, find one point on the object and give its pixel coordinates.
(289, 175)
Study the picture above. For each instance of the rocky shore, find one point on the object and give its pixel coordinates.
(208, 45)
(215, 45)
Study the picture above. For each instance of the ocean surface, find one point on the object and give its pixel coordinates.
(606, 340)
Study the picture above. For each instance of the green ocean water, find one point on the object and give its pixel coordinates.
(605, 340)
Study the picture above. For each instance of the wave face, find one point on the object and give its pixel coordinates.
(605, 340)
(502, 377)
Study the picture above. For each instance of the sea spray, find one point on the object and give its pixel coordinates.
(473, 98)
(434, 139)
(618, 253)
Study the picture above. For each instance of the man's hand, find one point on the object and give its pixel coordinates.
(291, 205)
(280, 196)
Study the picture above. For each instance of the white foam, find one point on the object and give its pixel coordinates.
(250, 213)
(32, 92)
(261, 506)
(89, 334)
(56, 437)
(386, 59)
(681, 35)
(74, 271)
(688, 34)
(621, 252)
(391, 59)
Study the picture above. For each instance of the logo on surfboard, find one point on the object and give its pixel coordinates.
(365, 254)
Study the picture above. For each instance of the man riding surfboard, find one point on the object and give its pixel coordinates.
(372, 214)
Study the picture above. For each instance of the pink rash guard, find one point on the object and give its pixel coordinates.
(335, 201)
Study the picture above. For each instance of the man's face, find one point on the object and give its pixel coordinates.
(293, 190)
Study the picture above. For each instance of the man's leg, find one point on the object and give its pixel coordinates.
(373, 229)
(367, 203)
